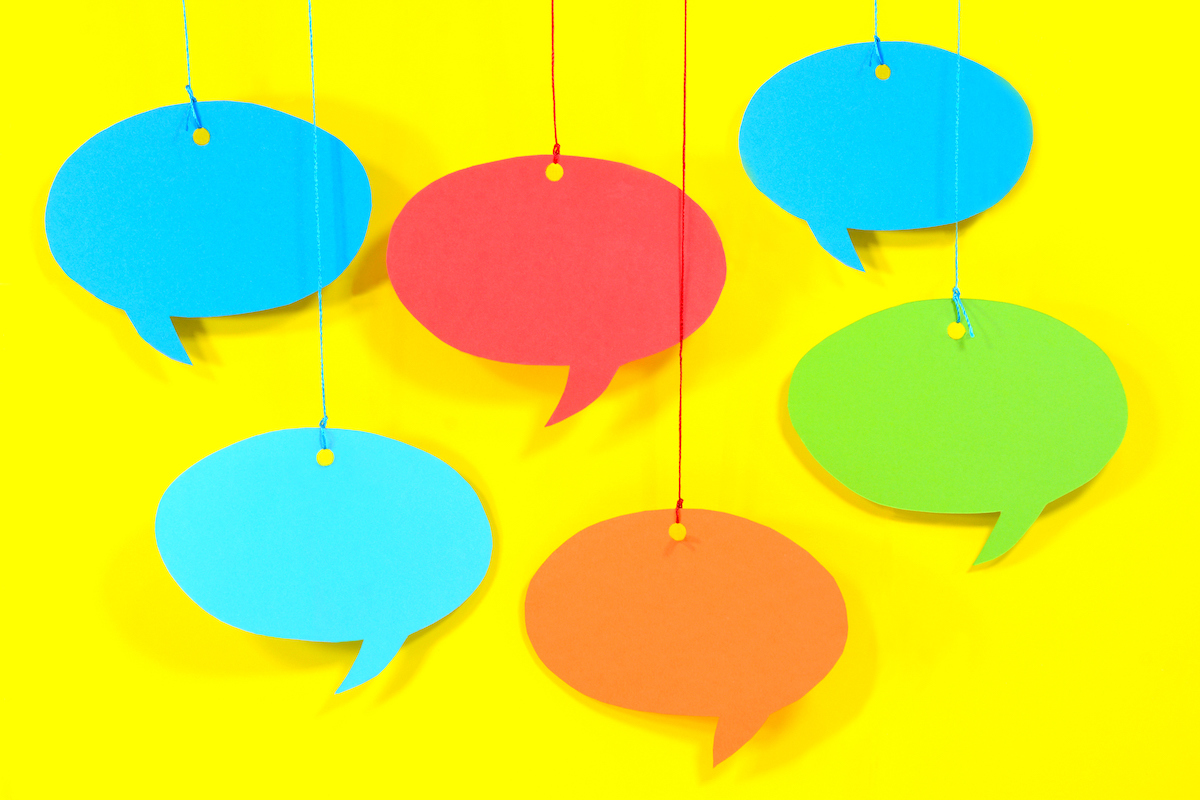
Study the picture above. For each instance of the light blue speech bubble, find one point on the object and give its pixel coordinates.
(841, 148)
(151, 222)
(381, 543)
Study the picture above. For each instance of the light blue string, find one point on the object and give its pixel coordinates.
(960, 312)
(878, 46)
(187, 53)
(312, 72)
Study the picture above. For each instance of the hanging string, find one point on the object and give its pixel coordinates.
(878, 44)
(960, 312)
(553, 95)
(312, 74)
(682, 240)
(187, 54)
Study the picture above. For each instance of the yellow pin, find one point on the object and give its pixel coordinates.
(325, 457)
(956, 330)
(200, 136)
(883, 72)
(554, 171)
(677, 531)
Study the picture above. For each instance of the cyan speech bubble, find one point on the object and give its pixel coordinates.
(381, 543)
(840, 148)
(151, 222)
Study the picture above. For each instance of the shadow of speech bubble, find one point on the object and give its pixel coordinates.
(840, 148)
(1023, 413)
(735, 621)
(501, 261)
(150, 221)
(381, 543)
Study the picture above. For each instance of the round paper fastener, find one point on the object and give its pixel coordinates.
(883, 72)
(200, 136)
(554, 171)
(677, 531)
(324, 456)
(956, 330)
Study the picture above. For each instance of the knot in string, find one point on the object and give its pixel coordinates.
(555, 154)
(878, 48)
(960, 312)
(195, 107)
(678, 508)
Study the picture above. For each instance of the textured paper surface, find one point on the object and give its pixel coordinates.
(1026, 411)
(381, 543)
(735, 621)
(148, 221)
(840, 148)
(500, 262)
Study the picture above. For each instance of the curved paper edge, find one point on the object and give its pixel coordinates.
(1008, 531)
(733, 731)
(374, 655)
(835, 240)
(584, 385)
(157, 330)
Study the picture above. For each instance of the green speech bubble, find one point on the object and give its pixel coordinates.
(902, 414)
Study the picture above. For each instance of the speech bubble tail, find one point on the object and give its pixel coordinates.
(836, 241)
(584, 384)
(1008, 531)
(734, 731)
(373, 656)
(157, 330)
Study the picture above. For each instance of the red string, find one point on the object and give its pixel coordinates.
(682, 232)
(553, 97)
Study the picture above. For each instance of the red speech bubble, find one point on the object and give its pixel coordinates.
(735, 621)
(499, 261)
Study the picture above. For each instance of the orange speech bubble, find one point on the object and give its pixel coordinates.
(735, 621)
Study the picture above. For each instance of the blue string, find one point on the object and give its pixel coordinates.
(960, 312)
(312, 72)
(878, 47)
(187, 53)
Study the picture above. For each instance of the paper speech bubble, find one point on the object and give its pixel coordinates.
(902, 414)
(500, 261)
(379, 544)
(735, 621)
(151, 222)
(840, 148)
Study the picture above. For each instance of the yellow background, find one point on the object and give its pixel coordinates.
(1069, 668)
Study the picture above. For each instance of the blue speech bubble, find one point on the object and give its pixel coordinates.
(151, 222)
(381, 543)
(841, 148)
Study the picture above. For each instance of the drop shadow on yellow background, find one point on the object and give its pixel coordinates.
(871, 246)
(153, 613)
(1125, 469)
(790, 732)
